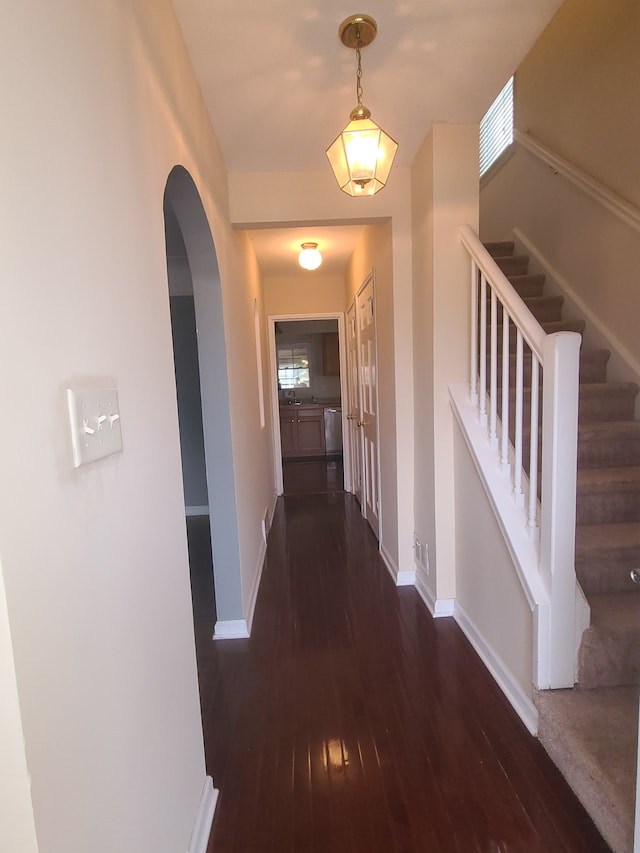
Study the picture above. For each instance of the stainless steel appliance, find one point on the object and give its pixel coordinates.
(333, 430)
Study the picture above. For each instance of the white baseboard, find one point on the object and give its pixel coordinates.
(231, 629)
(407, 577)
(196, 510)
(256, 585)
(265, 522)
(502, 675)
(437, 607)
(204, 818)
(400, 578)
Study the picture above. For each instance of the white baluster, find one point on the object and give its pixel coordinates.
(493, 392)
(504, 451)
(532, 520)
(473, 383)
(482, 402)
(518, 494)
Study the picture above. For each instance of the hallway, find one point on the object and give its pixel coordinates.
(352, 721)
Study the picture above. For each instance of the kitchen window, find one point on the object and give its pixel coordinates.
(294, 361)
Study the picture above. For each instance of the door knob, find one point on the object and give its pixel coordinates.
(360, 423)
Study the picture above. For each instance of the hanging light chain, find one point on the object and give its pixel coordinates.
(359, 72)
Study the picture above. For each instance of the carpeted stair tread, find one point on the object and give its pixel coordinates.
(500, 248)
(564, 326)
(591, 737)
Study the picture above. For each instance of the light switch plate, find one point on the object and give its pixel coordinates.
(94, 415)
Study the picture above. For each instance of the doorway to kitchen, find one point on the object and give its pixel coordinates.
(307, 374)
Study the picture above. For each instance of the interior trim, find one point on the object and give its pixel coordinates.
(502, 675)
(623, 209)
(204, 818)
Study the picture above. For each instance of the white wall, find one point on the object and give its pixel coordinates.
(487, 586)
(374, 251)
(17, 826)
(95, 560)
(577, 93)
(298, 197)
(444, 196)
(313, 293)
(576, 90)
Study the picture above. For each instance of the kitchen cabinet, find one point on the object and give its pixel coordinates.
(330, 354)
(302, 431)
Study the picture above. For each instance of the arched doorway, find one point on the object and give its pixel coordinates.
(199, 271)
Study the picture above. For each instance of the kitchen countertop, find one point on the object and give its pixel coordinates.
(304, 404)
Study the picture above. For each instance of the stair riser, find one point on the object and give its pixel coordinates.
(604, 453)
(515, 265)
(528, 285)
(607, 407)
(500, 248)
(612, 508)
(593, 371)
(608, 659)
(598, 575)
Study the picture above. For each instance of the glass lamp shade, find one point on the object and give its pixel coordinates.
(310, 258)
(361, 157)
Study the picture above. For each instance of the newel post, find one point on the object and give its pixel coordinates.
(558, 503)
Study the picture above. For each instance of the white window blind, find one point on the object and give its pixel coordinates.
(293, 366)
(496, 128)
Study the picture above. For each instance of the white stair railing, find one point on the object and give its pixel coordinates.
(552, 420)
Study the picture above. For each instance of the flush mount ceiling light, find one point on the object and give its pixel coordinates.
(310, 258)
(362, 155)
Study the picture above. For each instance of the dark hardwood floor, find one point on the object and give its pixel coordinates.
(312, 476)
(353, 721)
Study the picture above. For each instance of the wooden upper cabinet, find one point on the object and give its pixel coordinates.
(330, 354)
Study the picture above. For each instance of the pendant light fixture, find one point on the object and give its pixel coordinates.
(362, 155)
(309, 258)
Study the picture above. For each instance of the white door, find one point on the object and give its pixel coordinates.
(353, 397)
(368, 422)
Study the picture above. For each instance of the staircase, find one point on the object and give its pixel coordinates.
(591, 731)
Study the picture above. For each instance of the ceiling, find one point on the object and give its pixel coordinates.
(279, 84)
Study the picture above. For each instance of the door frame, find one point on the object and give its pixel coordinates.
(272, 319)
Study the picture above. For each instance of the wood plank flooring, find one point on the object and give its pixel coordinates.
(312, 476)
(353, 721)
